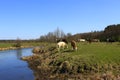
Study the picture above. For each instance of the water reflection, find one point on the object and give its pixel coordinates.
(19, 53)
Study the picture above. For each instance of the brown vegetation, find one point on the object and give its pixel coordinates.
(47, 67)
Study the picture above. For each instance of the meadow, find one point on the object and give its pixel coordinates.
(92, 61)
(93, 58)
(5, 45)
(97, 56)
(28, 44)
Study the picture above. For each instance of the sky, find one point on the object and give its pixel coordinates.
(29, 19)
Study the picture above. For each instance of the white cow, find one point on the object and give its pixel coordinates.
(61, 45)
(81, 40)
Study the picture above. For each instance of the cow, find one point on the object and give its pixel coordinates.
(73, 44)
(95, 40)
(81, 40)
(110, 40)
(61, 44)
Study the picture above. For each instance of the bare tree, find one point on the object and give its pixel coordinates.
(59, 33)
(18, 42)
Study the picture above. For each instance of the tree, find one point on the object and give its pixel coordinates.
(18, 42)
(59, 33)
(52, 36)
(113, 32)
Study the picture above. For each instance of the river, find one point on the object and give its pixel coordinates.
(12, 67)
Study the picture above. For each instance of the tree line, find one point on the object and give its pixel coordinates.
(110, 32)
(52, 36)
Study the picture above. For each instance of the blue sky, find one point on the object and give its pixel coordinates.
(29, 19)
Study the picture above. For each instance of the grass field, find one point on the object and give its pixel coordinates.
(95, 61)
(94, 57)
(7, 44)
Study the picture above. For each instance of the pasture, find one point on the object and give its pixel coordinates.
(92, 58)
(96, 57)
(5, 45)
(11, 44)
(95, 61)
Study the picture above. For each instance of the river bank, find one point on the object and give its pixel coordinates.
(51, 65)
(13, 48)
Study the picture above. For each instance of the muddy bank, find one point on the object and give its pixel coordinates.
(48, 64)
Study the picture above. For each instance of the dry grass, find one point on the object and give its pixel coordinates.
(96, 61)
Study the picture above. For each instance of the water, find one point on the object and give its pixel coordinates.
(12, 68)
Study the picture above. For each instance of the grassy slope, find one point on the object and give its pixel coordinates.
(98, 57)
(90, 59)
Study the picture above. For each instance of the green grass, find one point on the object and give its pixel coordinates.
(90, 62)
(96, 57)
(5, 45)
